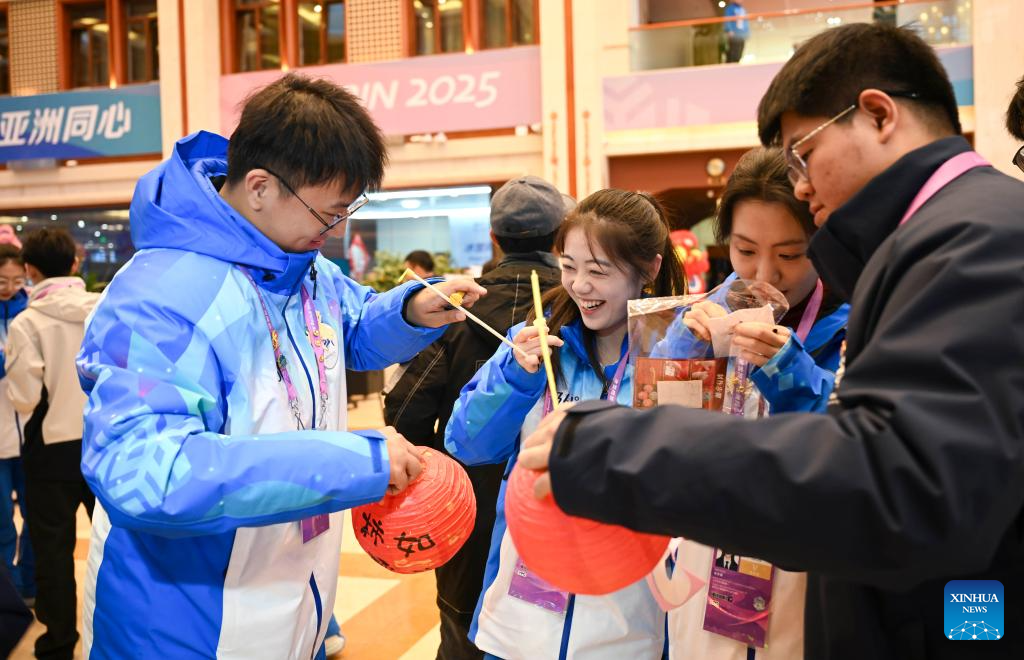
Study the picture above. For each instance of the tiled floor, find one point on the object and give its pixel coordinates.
(384, 615)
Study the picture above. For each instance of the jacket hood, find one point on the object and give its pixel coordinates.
(509, 293)
(176, 206)
(63, 298)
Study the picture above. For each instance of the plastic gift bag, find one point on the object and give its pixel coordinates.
(673, 365)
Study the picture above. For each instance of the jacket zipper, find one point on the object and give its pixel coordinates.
(298, 355)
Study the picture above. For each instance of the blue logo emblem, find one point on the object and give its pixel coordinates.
(974, 610)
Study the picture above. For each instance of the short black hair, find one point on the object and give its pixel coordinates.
(310, 132)
(1015, 113)
(422, 259)
(10, 252)
(50, 250)
(543, 243)
(830, 70)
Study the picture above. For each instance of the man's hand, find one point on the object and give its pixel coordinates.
(428, 310)
(536, 451)
(404, 459)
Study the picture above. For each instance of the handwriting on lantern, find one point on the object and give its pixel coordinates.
(410, 544)
(372, 528)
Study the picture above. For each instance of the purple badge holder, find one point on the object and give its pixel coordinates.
(530, 588)
(314, 527)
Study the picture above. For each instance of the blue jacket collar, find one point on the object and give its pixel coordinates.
(176, 206)
(16, 305)
(825, 328)
(575, 341)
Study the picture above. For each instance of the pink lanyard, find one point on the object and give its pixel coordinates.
(948, 171)
(810, 312)
(611, 394)
(315, 341)
(78, 284)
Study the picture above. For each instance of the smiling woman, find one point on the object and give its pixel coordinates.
(612, 246)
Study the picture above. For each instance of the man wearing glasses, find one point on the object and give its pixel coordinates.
(215, 433)
(915, 477)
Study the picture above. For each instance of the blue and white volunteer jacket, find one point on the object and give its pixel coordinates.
(501, 404)
(10, 424)
(200, 474)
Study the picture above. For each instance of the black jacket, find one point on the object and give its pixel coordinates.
(916, 475)
(426, 393)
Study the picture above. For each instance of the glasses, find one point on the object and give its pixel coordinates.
(798, 166)
(1018, 159)
(338, 218)
(16, 283)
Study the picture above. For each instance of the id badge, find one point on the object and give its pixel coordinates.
(314, 527)
(530, 588)
(739, 598)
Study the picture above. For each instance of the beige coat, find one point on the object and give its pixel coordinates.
(41, 347)
(688, 639)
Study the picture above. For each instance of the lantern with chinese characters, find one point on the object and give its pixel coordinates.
(574, 554)
(422, 527)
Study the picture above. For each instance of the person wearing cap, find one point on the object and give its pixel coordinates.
(525, 214)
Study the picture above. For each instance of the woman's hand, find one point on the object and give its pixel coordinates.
(760, 341)
(528, 339)
(697, 318)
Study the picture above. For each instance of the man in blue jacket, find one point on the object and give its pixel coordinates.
(915, 477)
(736, 31)
(215, 428)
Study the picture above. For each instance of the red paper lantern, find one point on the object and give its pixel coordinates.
(424, 526)
(575, 554)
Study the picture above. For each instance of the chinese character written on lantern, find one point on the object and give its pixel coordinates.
(372, 528)
(410, 544)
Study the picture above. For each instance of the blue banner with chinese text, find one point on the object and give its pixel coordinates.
(81, 124)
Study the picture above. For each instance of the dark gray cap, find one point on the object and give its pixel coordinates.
(527, 207)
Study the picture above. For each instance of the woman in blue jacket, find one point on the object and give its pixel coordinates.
(611, 248)
(15, 547)
(767, 230)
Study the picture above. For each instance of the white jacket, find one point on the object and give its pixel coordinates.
(42, 343)
(499, 405)
(688, 639)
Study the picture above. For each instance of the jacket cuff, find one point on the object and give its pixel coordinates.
(381, 462)
(407, 291)
(521, 379)
(782, 361)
